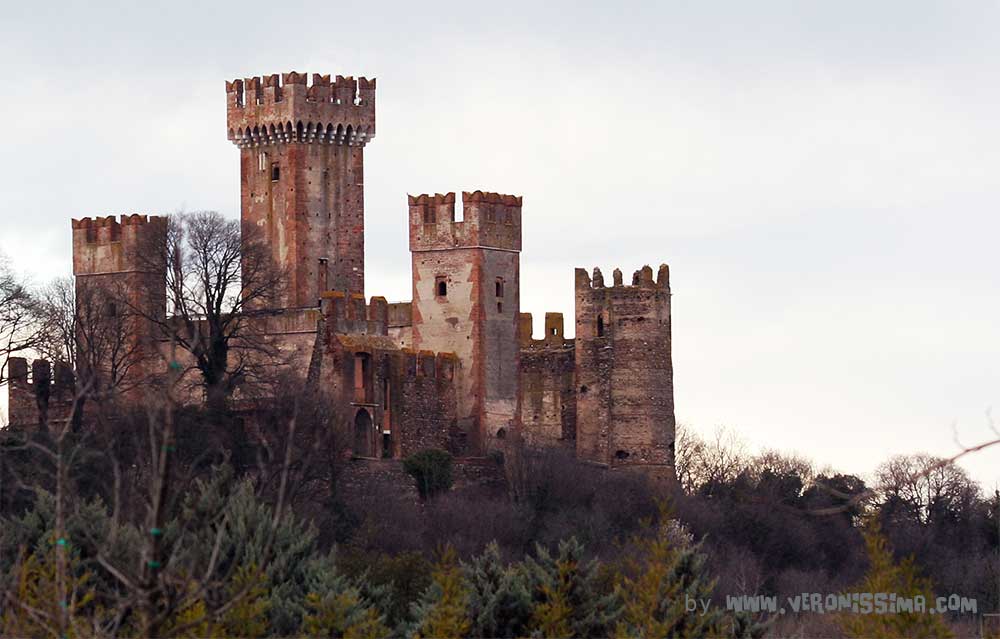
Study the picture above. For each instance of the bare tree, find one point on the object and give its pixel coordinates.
(91, 330)
(18, 318)
(221, 284)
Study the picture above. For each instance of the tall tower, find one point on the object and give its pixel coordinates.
(624, 372)
(466, 300)
(302, 175)
(113, 260)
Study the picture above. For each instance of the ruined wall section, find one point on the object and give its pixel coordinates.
(548, 390)
(302, 174)
(466, 300)
(401, 323)
(43, 400)
(625, 402)
(391, 401)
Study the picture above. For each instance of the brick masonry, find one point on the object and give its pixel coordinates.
(456, 366)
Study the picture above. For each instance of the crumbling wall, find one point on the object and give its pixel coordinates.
(43, 400)
(548, 391)
(625, 398)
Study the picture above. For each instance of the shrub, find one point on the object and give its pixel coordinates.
(431, 468)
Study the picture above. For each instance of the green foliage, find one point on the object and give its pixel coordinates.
(499, 596)
(431, 468)
(230, 512)
(885, 575)
(566, 594)
(40, 607)
(443, 609)
(393, 581)
(337, 607)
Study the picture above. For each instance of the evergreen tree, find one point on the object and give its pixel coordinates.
(886, 576)
(567, 599)
(338, 607)
(443, 609)
(499, 596)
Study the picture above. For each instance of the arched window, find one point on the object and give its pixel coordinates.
(441, 287)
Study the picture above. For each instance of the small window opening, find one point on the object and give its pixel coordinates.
(442, 287)
(275, 172)
(429, 216)
(262, 161)
(621, 454)
(600, 326)
(386, 445)
(499, 287)
(554, 331)
(499, 307)
(502, 433)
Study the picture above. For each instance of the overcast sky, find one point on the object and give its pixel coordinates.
(822, 179)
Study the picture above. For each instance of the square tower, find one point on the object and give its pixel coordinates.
(466, 300)
(302, 175)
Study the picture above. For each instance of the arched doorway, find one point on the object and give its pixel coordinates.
(363, 434)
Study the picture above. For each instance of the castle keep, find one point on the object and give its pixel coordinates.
(456, 366)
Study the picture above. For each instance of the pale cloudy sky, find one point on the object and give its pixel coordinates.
(821, 177)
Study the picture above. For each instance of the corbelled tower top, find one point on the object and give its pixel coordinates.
(302, 175)
(270, 109)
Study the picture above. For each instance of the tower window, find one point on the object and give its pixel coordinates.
(441, 286)
(499, 287)
(429, 215)
(262, 161)
(499, 307)
(600, 326)
(275, 172)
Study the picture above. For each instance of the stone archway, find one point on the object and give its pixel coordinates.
(363, 434)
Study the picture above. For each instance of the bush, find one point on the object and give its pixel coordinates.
(431, 468)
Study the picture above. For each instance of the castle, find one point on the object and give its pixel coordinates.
(455, 367)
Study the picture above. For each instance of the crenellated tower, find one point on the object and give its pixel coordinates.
(624, 373)
(120, 293)
(466, 300)
(302, 175)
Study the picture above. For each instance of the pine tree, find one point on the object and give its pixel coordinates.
(886, 576)
(40, 606)
(337, 607)
(443, 609)
(499, 596)
(665, 572)
(566, 595)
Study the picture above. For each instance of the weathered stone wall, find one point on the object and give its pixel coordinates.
(548, 391)
(466, 300)
(42, 400)
(394, 401)
(625, 402)
(371, 480)
(302, 175)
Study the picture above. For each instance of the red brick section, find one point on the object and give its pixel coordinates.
(624, 374)
(477, 261)
(115, 256)
(302, 174)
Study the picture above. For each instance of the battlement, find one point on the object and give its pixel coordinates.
(428, 364)
(554, 335)
(107, 245)
(40, 394)
(108, 229)
(641, 279)
(489, 220)
(286, 108)
(347, 313)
